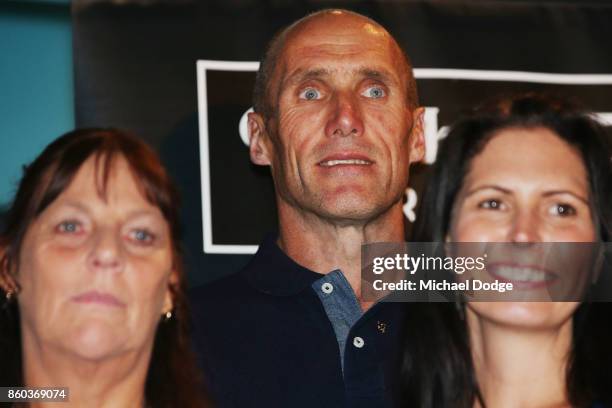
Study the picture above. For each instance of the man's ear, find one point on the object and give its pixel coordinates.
(417, 136)
(259, 142)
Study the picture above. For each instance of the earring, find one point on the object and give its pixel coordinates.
(12, 291)
(168, 315)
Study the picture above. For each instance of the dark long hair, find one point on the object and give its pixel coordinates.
(173, 379)
(437, 367)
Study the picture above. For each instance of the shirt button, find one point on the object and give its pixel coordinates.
(358, 342)
(327, 288)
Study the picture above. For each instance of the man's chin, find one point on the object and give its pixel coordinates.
(349, 206)
(352, 210)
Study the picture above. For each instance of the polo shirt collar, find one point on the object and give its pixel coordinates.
(272, 272)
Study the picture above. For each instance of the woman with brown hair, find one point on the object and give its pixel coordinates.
(91, 277)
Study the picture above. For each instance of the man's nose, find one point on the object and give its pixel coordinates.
(346, 118)
(525, 228)
(106, 253)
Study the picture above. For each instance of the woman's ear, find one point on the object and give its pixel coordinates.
(599, 262)
(8, 283)
(171, 289)
(447, 241)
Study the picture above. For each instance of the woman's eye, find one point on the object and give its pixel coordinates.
(562, 210)
(142, 236)
(374, 92)
(310, 94)
(69, 227)
(491, 204)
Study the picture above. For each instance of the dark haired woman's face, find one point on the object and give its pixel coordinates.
(527, 185)
(94, 270)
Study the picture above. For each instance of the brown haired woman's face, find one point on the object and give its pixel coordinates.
(94, 271)
(526, 186)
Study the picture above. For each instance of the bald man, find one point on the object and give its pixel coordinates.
(336, 119)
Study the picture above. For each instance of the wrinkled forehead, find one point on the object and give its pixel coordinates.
(338, 38)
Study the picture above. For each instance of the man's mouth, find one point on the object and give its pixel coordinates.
(345, 162)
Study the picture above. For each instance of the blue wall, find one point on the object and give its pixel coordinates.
(36, 83)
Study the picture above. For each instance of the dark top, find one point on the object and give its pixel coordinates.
(264, 339)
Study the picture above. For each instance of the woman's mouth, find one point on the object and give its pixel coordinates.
(523, 276)
(101, 298)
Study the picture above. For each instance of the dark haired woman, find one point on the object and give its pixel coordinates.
(91, 277)
(521, 170)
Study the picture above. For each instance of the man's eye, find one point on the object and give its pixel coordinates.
(562, 210)
(142, 236)
(310, 94)
(374, 92)
(491, 204)
(69, 227)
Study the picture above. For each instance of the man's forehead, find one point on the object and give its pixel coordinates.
(335, 38)
(353, 42)
(337, 32)
(337, 21)
(337, 46)
(359, 70)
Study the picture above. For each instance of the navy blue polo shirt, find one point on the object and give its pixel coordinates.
(268, 336)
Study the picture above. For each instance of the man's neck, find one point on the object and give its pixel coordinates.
(323, 245)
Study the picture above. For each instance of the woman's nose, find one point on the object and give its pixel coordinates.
(525, 228)
(106, 251)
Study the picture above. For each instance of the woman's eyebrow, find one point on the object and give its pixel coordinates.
(488, 187)
(569, 192)
(76, 205)
(151, 213)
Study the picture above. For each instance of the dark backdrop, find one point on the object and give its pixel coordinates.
(135, 68)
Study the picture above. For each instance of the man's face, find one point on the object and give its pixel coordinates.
(340, 142)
